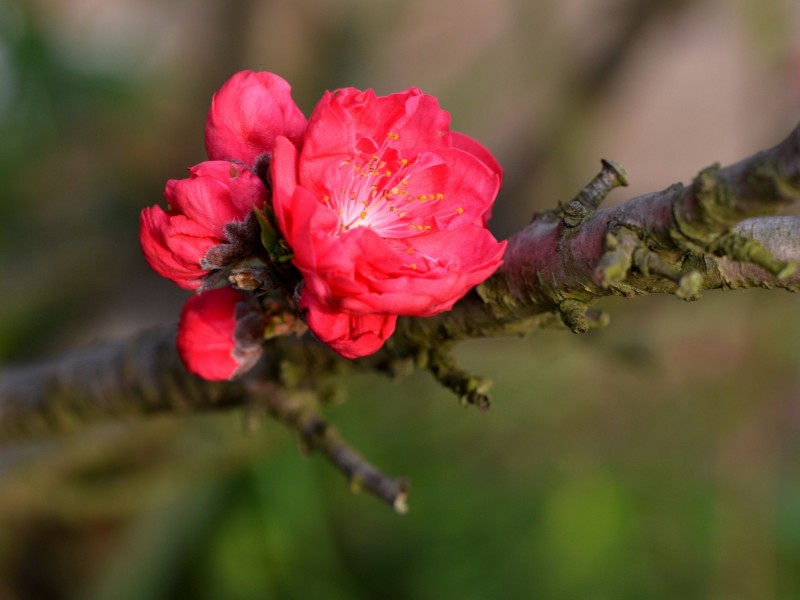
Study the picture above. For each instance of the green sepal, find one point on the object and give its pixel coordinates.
(271, 239)
(269, 236)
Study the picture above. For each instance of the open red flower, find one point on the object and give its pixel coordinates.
(201, 209)
(385, 211)
(248, 112)
(220, 334)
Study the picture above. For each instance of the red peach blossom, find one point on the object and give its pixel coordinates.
(247, 113)
(220, 334)
(350, 335)
(201, 208)
(384, 209)
(479, 151)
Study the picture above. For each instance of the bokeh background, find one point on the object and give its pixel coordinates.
(659, 458)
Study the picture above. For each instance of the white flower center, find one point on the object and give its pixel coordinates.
(373, 191)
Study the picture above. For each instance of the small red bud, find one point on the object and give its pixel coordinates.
(220, 334)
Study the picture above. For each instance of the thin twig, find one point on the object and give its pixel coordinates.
(317, 434)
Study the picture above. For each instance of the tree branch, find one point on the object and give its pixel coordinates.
(683, 240)
(549, 262)
(316, 434)
(138, 376)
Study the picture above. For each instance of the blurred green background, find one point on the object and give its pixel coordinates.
(659, 458)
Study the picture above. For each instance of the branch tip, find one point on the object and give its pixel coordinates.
(689, 286)
(615, 172)
(574, 315)
(400, 504)
(470, 389)
(588, 200)
(316, 434)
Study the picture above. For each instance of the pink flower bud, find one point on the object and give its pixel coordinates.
(220, 334)
(200, 211)
(247, 113)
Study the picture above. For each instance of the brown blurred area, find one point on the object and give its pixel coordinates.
(654, 459)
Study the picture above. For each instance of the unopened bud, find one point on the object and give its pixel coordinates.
(220, 334)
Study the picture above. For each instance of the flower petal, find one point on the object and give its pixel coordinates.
(215, 194)
(464, 142)
(351, 336)
(247, 113)
(210, 342)
(173, 246)
(438, 271)
(479, 151)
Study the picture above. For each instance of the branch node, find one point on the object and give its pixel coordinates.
(648, 262)
(616, 261)
(704, 211)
